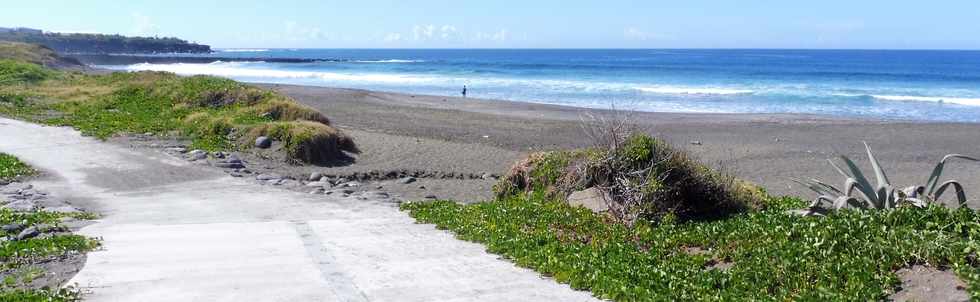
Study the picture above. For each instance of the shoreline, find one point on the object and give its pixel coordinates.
(767, 149)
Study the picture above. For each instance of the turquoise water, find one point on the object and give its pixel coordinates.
(907, 85)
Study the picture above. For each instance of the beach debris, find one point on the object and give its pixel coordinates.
(696, 143)
(263, 142)
(430, 196)
(406, 180)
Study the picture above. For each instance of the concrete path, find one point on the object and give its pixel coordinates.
(174, 231)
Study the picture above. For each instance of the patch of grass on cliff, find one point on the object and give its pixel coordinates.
(14, 72)
(848, 256)
(215, 113)
(11, 168)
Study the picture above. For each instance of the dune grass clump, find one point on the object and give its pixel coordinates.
(307, 141)
(645, 178)
(14, 72)
(215, 113)
(31, 53)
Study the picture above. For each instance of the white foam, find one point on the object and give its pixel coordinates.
(694, 90)
(233, 70)
(951, 100)
(389, 61)
(244, 50)
(913, 98)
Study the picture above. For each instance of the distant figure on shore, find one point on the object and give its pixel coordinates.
(464, 91)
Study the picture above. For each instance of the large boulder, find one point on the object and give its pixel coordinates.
(591, 198)
(263, 142)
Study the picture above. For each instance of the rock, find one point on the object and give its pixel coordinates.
(15, 188)
(406, 180)
(218, 155)
(263, 142)
(13, 227)
(197, 155)
(421, 187)
(235, 174)
(268, 177)
(63, 209)
(21, 206)
(316, 176)
(315, 184)
(225, 165)
(430, 196)
(176, 150)
(592, 199)
(318, 191)
(28, 233)
(377, 194)
(696, 143)
(352, 184)
(231, 158)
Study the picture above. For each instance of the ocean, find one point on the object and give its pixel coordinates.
(880, 84)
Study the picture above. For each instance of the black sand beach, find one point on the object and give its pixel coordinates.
(474, 136)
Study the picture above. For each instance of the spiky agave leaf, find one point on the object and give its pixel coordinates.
(879, 172)
(817, 186)
(938, 170)
(844, 201)
(960, 194)
(862, 182)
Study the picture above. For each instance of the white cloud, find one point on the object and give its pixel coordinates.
(393, 37)
(144, 26)
(423, 32)
(632, 33)
(294, 31)
(498, 36)
(448, 32)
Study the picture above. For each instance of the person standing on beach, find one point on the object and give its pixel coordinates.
(464, 91)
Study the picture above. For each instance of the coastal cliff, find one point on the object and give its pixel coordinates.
(75, 43)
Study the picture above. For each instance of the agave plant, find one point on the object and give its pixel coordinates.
(883, 195)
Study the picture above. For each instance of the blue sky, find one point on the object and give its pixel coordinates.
(898, 24)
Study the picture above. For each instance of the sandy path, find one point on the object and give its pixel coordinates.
(177, 232)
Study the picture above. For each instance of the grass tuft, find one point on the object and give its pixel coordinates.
(646, 179)
(11, 168)
(215, 113)
(307, 141)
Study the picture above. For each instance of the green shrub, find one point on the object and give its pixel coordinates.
(14, 72)
(645, 178)
(307, 141)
